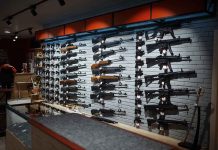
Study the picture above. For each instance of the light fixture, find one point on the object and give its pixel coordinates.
(7, 31)
(61, 2)
(16, 37)
(33, 10)
(14, 40)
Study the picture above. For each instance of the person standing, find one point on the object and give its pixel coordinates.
(7, 75)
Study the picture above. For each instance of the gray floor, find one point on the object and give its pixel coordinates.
(2, 143)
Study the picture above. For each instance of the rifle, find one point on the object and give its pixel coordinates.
(63, 57)
(165, 61)
(75, 68)
(73, 75)
(194, 145)
(77, 103)
(75, 95)
(103, 37)
(139, 63)
(107, 112)
(165, 125)
(71, 82)
(170, 109)
(107, 96)
(68, 48)
(96, 48)
(103, 119)
(107, 87)
(163, 29)
(73, 61)
(106, 62)
(107, 79)
(166, 44)
(150, 94)
(165, 78)
(73, 88)
(107, 70)
(105, 54)
(71, 54)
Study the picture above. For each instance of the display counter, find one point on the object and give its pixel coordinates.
(68, 131)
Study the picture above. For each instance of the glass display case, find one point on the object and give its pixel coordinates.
(18, 132)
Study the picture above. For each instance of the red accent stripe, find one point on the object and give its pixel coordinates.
(56, 136)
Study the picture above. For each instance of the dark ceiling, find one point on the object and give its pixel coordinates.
(50, 13)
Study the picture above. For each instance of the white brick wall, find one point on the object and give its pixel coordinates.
(200, 51)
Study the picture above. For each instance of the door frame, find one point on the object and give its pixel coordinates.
(214, 97)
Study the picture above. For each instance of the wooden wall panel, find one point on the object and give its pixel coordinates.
(170, 8)
(137, 14)
(99, 22)
(41, 35)
(75, 27)
(54, 32)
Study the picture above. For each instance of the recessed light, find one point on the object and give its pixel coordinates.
(7, 31)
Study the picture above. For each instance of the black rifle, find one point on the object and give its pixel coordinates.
(150, 94)
(103, 37)
(165, 125)
(107, 70)
(162, 29)
(75, 95)
(73, 75)
(194, 145)
(165, 61)
(103, 119)
(72, 61)
(74, 54)
(71, 103)
(96, 48)
(154, 110)
(105, 54)
(73, 89)
(107, 112)
(166, 44)
(75, 68)
(79, 104)
(107, 96)
(165, 78)
(108, 87)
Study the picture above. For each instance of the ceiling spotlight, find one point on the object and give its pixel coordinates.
(33, 10)
(14, 40)
(16, 37)
(61, 2)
